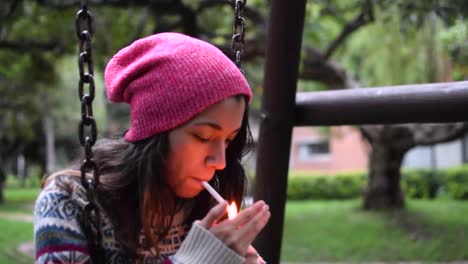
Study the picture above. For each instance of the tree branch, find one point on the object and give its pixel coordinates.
(429, 134)
(26, 46)
(141, 25)
(253, 48)
(62, 5)
(211, 3)
(253, 14)
(317, 68)
(363, 18)
(368, 132)
(11, 10)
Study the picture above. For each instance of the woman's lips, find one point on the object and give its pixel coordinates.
(200, 180)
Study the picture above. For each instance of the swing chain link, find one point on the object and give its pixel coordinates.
(238, 31)
(87, 130)
(84, 30)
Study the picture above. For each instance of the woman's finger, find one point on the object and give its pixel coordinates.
(214, 214)
(243, 236)
(250, 230)
(245, 215)
(251, 257)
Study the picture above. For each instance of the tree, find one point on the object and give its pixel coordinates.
(389, 142)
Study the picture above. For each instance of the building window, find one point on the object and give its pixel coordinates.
(319, 150)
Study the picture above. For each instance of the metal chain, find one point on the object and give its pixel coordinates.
(238, 31)
(87, 130)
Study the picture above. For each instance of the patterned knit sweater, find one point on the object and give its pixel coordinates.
(59, 237)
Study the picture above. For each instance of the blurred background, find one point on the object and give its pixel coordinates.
(331, 214)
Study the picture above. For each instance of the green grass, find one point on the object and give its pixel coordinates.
(340, 231)
(12, 235)
(14, 232)
(314, 231)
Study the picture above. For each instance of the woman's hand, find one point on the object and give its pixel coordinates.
(240, 232)
(252, 257)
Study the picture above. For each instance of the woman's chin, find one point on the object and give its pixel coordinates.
(187, 194)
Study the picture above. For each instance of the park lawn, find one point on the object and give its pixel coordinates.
(12, 234)
(314, 231)
(434, 230)
(15, 232)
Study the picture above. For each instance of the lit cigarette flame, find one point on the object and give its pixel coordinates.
(232, 210)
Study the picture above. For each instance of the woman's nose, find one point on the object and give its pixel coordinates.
(217, 156)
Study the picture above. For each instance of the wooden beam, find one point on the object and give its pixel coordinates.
(285, 26)
(422, 103)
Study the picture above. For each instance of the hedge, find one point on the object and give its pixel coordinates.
(419, 184)
(315, 186)
(456, 182)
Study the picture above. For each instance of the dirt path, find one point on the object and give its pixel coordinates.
(17, 216)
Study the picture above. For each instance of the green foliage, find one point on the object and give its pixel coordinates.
(420, 183)
(23, 85)
(13, 182)
(324, 20)
(308, 86)
(456, 182)
(405, 42)
(454, 41)
(19, 200)
(302, 186)
(382, 55)
(416, 184)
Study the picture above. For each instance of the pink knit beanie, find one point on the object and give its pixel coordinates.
(169, 78)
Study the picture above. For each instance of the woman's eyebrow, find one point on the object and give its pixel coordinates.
(212, 125)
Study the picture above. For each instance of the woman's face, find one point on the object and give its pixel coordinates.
(198, 148)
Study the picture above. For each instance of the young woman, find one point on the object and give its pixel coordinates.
(188, 111)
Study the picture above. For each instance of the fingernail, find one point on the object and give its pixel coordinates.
(265, 207)
(259, 205)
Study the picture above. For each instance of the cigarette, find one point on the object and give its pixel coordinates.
(213, 192)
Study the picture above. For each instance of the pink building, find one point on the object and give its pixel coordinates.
(343, 149)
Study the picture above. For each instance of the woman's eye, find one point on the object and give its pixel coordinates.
(200, 138)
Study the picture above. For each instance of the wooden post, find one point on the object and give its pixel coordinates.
(278, 103)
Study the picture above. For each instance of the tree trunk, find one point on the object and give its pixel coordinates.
(384, 190)
(50, 144)
(2, 199)
(2, 184)
(21, 168)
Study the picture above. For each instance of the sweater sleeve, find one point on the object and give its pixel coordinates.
(58, 236)
(202, 247)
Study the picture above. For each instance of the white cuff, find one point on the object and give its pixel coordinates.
(202, 247)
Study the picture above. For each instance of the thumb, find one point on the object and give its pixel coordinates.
(214, 214)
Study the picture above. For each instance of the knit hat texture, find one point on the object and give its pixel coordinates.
(169, 78)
